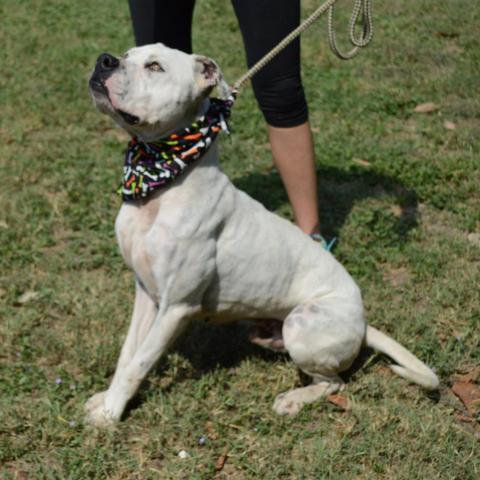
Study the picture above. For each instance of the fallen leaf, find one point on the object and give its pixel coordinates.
(362, 163)
(230, 472)
(210, 429)
(469, 394)
(428, 107)
(16, 472)
(221, 461)
(396, 210)
(447, 34)
(449, 125)
(464, 418)
(469, 376)
(339, 401)
(474, 238)
(26, 297)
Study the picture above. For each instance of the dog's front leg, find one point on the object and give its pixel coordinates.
(144, 311)
(106, 408)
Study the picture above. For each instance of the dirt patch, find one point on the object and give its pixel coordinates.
(440, 223)
(397, 276)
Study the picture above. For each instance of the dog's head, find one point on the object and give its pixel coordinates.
(152, 90)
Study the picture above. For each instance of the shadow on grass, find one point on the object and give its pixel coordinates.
(206, 347)
(339, 190)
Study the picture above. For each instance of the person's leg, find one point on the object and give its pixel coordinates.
(279, 91)
(292, 150)
(165, 21)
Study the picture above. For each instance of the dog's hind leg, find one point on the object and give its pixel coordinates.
(323, 338)
(267, 334)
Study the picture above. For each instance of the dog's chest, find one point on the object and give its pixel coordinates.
(131, 227)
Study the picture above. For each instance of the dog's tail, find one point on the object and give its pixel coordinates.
(409, 366)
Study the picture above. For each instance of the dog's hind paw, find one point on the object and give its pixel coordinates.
(287, 403)
(96, 413)
(291, 402)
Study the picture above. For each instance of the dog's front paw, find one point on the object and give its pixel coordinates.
(96, 412)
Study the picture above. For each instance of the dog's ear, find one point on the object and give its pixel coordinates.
(208, 75)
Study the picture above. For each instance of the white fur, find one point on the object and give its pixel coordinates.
(200, 247)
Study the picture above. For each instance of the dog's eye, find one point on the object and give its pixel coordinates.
(154, 67)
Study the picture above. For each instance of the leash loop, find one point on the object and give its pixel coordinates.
(360, 7)
(364, 8)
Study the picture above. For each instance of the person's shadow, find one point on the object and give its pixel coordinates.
(207, 347)
(338, 192)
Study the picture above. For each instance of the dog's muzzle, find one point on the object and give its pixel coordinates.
(105, 66)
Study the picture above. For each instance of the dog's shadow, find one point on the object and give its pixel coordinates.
(207, 347)
(203, 348)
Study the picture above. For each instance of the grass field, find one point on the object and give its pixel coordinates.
(399, 188)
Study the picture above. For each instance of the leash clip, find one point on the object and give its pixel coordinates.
(223, 124)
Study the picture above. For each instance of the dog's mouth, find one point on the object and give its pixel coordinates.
(97, 86)
(128, 117)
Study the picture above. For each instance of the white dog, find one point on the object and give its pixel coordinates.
(201, 248)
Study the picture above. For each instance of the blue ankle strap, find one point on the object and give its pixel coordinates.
(326, 245)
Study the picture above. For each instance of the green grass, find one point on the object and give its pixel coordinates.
(408, 223)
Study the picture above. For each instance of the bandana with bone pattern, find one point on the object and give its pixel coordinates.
(152, 165)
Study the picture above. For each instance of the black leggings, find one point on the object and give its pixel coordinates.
(278, 86)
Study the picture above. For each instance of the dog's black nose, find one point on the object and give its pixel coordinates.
(107, 62)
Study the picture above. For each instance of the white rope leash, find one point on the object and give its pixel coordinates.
(365, 8)
(361, 6)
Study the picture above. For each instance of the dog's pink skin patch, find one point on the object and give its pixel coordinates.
(110, 84)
